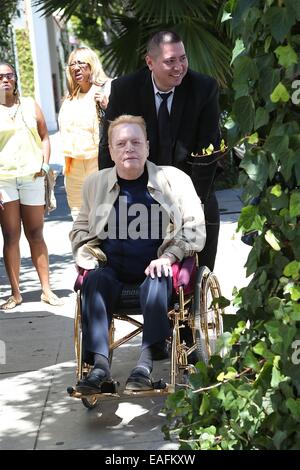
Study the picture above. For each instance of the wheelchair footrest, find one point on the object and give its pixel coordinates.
(159, 388)
(107, 388)
(110, 387)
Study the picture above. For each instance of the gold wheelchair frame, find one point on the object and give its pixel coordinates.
(199, 311)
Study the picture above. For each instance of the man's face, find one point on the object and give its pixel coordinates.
(129, 150)
(169, 66)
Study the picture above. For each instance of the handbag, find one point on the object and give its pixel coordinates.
(50, 201)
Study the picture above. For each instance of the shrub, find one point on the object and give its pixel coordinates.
(250, 399)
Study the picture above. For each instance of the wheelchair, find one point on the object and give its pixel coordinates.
(194, 306)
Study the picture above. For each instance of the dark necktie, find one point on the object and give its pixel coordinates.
(164, 131)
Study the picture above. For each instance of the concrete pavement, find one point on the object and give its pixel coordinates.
(37, 357)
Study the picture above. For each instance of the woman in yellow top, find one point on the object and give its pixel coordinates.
(78, 119)
(24, 161)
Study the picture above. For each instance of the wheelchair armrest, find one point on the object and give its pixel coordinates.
(82, 273)
(184, 274)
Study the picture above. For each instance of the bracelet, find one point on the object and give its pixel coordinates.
(45, 167)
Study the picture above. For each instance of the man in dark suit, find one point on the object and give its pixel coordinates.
(191, 101)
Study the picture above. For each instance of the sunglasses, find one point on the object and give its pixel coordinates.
(9, 76)
(81, 65)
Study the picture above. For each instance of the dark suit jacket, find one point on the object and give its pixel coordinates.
(194, 120)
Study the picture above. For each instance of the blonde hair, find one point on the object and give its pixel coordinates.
(87, 55)
(126, 119)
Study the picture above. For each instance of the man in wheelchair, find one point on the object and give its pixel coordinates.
(136, 220)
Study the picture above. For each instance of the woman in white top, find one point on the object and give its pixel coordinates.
(88, 91)
(24, 161)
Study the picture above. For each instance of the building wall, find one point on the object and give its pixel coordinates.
(48, 61)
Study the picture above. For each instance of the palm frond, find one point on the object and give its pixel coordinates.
(206, 53)
(129, 24)
(125, 51)
(171, 11)
(68, 7)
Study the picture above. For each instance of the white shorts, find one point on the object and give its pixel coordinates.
(30, 192)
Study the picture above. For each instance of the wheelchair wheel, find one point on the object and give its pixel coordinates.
(78, 337)
(111, 336)
(207, 313)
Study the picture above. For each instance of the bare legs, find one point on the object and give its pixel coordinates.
(10, 220)
(33, 223)
(32, 218)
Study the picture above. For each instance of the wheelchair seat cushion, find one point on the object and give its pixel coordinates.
(82, 273)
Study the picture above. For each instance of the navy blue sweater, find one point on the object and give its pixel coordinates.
(134, 232)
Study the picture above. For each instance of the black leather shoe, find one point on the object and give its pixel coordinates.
(93, 383)
(139, 380)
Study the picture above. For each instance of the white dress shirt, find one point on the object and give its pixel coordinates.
(158, 99)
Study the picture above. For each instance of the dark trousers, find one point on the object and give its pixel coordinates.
(212, 223)
(101, 292)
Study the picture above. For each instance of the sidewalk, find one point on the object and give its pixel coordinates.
(35, 410)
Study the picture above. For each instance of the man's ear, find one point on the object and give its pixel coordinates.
(149, 62)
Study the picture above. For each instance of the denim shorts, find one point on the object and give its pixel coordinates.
(30, 191)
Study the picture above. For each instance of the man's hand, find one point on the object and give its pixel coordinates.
(159, 267)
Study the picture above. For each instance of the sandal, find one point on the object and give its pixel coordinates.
(10, 303)
(51, 299)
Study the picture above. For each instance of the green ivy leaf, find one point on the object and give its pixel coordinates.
(221, 377)
(226, 16)
(251, 361)
(286, 55)
(272, 240)
(295, 204)
(262, 350)
(280, 93)
(252, 261)
(261, 118)
(295, 293)
(269, 78)
(239, 47)
(243, 109)
(277, 377)
(231, 373)
(221, 302)
(294, 406)
(253, 138)
(267, 43)
(280, 21)
(278, 438)
(292, 269)
(277, 146)
(205, 404)
(276, 190)
(256, 167)
(250, 219)
(295, 315)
